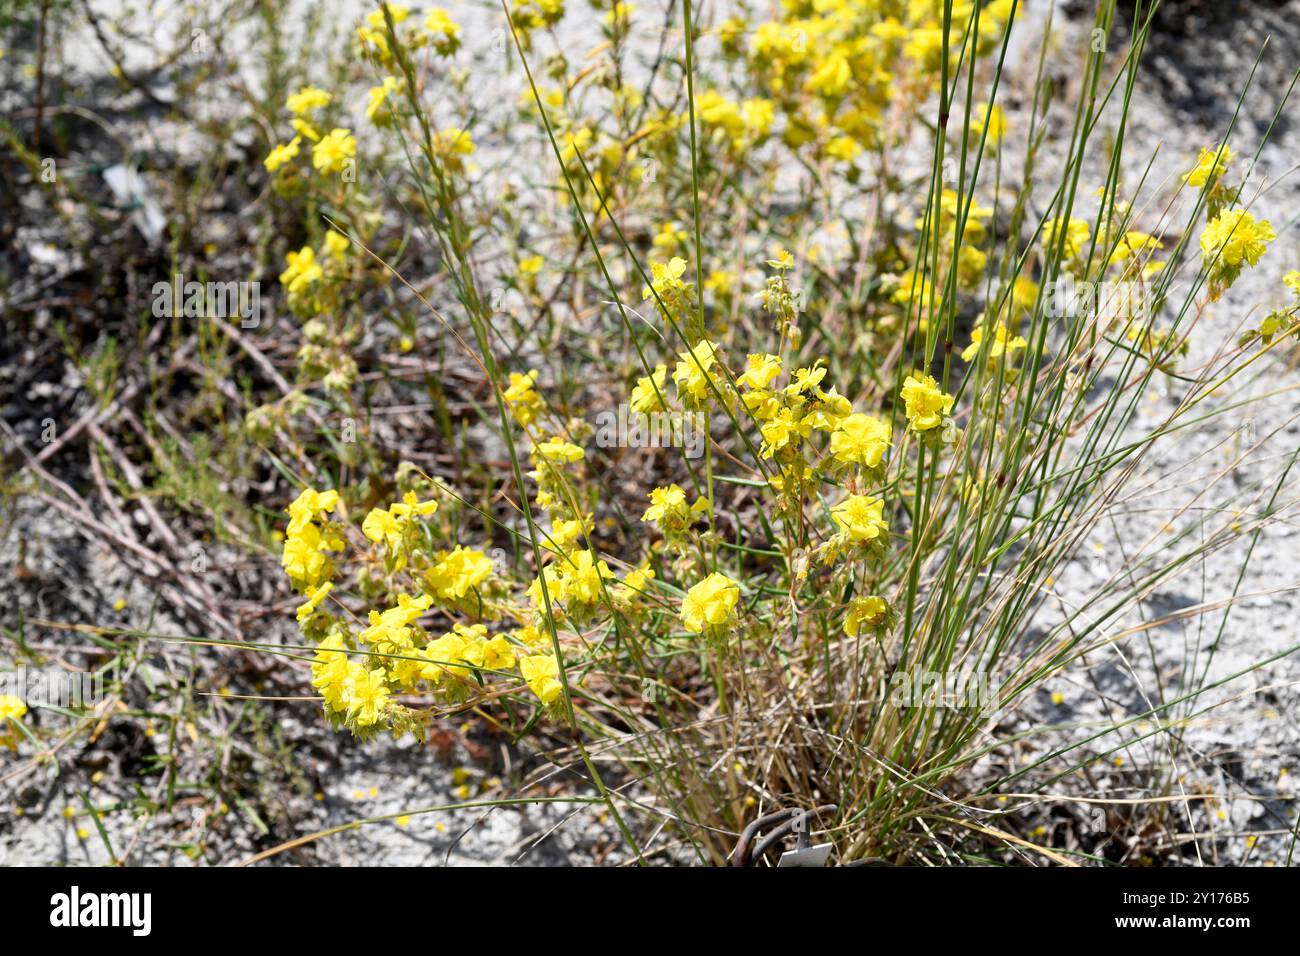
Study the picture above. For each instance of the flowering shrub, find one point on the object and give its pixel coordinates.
(903, 443)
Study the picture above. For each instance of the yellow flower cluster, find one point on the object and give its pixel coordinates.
(309, 539)
(1232, 241)
(395, 526)
(331, 153)
(457, 572)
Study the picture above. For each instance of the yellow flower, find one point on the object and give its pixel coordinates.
(720, 282)
(870, 612)
(778, 431)
(542, 673)
(1077, 233)
(397, 11)
(861, 440)
(446, 654)
(443, 30)
(758, 115)
(637, 582)
(715, 109)
(364, 694)
(1001, 343)
(498, 654)
(332, 153)
(529, 636)
(525, 404)
(382, 525)
(389, 631)
(1292, 281)
(665, 502)
(648, 392)
(619, 13)
(844, 148)
(1134, 243)
(457, 572)
(997, 125)
(312, 504)
(710, 604)
(926, 403)
(1235, 237)
(315, 595)
(307, 99)
(452, 144)
(671, 236)
(805, 379)
(666, 280)
(329, 669)
(759, 372)
(861, 518)
(304, 556)
(281, 154)
(691, 374)
(305, 129)
(531, 265)
(581, 576)
(377, 110)
(11, 707)
(669, 512)
(391, 524)
(565, 534)
(831, 78)
(302, 270)
(558, 450)
(1210, 167)
(925, 46)
(782, 260)
(336, 245)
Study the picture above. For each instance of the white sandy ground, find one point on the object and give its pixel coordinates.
(1251, 739)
